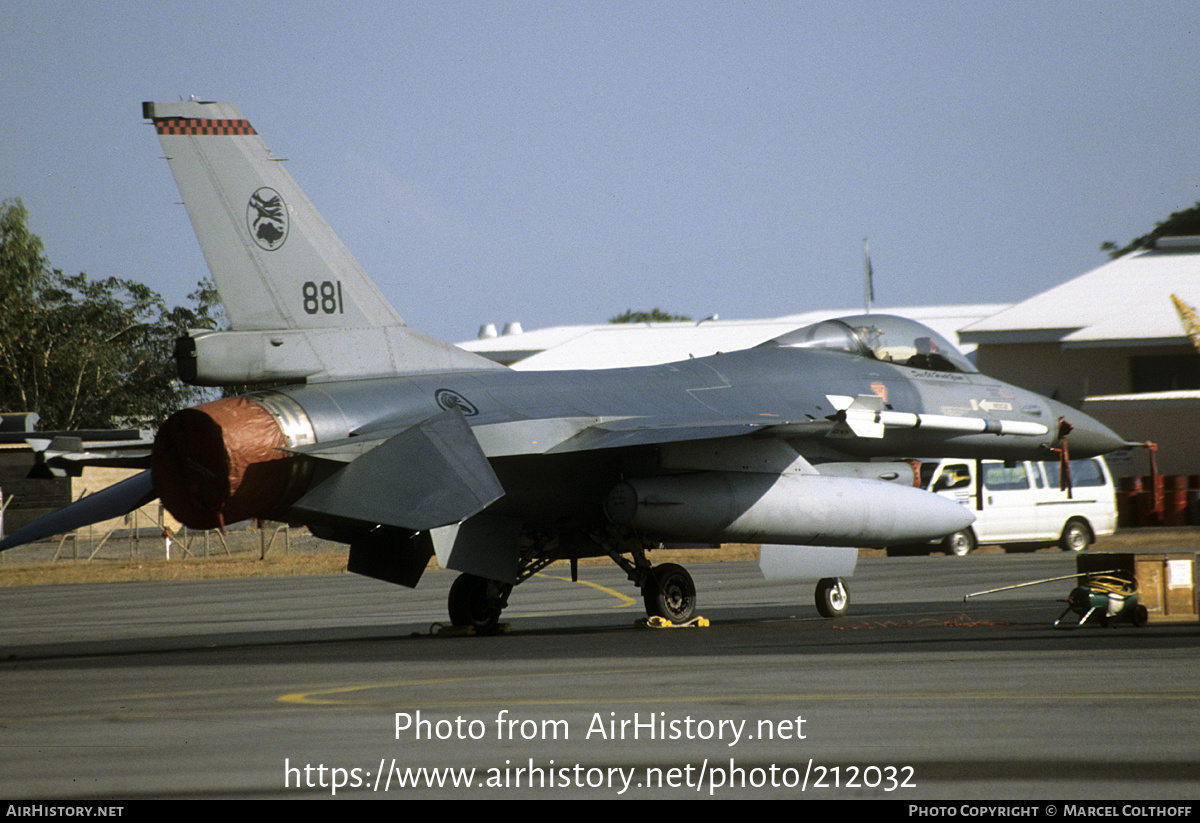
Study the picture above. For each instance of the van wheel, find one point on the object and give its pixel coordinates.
(960, 543)
(1076, 536)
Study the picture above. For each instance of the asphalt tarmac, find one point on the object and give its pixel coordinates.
(339, 686)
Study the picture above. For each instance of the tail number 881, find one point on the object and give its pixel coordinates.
(325, 297)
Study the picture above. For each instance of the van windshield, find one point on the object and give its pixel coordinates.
(1083, 473)
(885, 337)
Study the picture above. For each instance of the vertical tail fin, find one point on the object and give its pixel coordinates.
(276, 262)
(278, 265)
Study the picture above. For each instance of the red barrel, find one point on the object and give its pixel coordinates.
(1127, 502)
(1175, 500)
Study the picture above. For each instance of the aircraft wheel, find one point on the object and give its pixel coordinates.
(669, 592)
(833, 598)
(960, 544)
(1076, 536)
(470, 605)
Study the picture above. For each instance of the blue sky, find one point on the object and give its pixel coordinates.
(561, 162)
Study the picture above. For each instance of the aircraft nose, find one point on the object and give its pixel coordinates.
(1089, 437)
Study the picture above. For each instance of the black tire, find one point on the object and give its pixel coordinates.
(1076, 536)
(469, 604)
(962, 543)
(670, 593)
(833, 598)
(1140, 615)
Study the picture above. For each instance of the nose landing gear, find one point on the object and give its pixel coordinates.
(832, 596)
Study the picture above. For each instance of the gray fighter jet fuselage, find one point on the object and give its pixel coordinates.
(404, 447)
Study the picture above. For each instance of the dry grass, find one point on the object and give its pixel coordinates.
(215, 568)
(314, 557)
(1171, 538)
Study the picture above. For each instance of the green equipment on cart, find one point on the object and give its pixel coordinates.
(1112, 597)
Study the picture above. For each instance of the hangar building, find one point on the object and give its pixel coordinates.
(1111, 343)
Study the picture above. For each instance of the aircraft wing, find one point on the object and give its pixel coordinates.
(431, 474)
(565, 434)
(562, 435)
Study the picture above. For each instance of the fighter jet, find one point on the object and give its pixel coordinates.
(405, 447)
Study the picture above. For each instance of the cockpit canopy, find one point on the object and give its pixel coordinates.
(883, 337)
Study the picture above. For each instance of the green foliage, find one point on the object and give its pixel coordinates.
(83, 353)
(655, 315)
(210, 311)
(1180, 223)
(21, 260)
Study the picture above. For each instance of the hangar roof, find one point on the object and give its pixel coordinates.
(1177, 399)
(613, 345)
(1124, 302)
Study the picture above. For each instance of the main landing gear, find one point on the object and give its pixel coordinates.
(667, 590)
(477, 602)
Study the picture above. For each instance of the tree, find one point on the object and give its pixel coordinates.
(655, 315)
(1180, 223)
(83, 353)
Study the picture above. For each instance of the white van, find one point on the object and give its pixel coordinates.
(1022, 502)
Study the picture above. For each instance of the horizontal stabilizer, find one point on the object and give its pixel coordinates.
(114, 501)
(430, 475)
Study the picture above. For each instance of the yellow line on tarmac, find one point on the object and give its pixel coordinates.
(626, 601)
(326, 697)
(314, 697)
